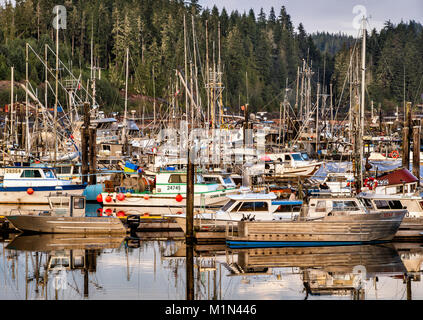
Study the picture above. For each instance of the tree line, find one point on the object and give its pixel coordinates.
(259, 53)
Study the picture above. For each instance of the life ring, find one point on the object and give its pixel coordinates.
(370, 183)
(394, 154)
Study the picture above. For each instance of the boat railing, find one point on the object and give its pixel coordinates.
(330, 194)
(20, 212)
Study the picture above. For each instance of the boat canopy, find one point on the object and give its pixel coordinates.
(252, 196)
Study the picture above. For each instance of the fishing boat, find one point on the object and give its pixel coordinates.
(33, 185)
(243, 207)
(290, 164)
(325, 221)
(67, 215)
(399, 181)
(167, 189)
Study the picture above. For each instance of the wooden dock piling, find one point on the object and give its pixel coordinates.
(416, 152)
(84, 143)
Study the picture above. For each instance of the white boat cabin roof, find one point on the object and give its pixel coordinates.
(252, 196)
(387, 196)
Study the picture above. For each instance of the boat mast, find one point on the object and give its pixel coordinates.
(363, 97)
(57, 92)
(126, 98)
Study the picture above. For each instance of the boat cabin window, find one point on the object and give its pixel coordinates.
(287, 157)
(345, 206)
(297, 157)
(49, 174)
(59, 262)
(391, 204)
(321, 206)
(305, 156)
(228, 205)
(382, 204)
(227, 180)
(368, 203)
(251, 206)
(31, 174)
(287, 208)
(211, 180)
(178, 178)
(400, 189)
(78, 203)
(64, 170)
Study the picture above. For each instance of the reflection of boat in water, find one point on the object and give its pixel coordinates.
(49, 242)
(324, 270)
(375, 258)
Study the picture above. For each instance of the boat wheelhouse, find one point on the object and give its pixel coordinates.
(290, 164)
(167, 190)
(32, 185)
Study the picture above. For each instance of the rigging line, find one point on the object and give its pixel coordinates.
(70, 73)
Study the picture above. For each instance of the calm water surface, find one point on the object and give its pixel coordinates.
(71, 267)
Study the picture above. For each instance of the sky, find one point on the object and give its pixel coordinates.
(331, 15)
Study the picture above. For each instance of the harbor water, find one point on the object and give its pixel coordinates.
(50, 267)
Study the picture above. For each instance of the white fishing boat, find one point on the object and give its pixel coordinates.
(167, 189)
(66, 215)
(246, 206)
(32, 185)
(288, 164)
(326, 221)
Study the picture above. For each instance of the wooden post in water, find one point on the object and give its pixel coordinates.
(190, 201)
(416, 152)
(84, 144)
(189, 272)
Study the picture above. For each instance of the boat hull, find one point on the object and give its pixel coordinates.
(332, 230)
(80, 225)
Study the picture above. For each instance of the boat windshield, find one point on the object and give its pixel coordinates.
(297, 157)
(49, 174)
(345, 206)
(228, 205)
(305, 156)
(227, 180)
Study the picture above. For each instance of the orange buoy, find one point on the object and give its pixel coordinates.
(121, 197)
(179, 198)
(146, 214)
(146, 197)
(30, 191)
(108, 212)
(108, 199)
(120, 214)
(99, 198)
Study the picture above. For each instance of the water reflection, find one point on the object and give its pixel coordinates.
(156, 267)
